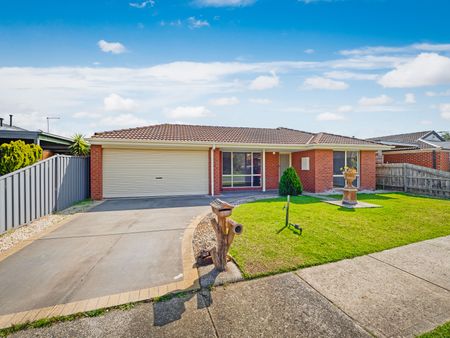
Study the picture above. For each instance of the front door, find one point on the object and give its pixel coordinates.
(285, 161)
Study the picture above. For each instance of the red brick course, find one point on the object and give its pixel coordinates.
(367, 170)
(422, 158)
(96, 172)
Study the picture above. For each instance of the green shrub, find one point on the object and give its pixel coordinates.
(290, 183)
(17, 154)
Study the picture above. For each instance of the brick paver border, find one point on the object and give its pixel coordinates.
(190, 282)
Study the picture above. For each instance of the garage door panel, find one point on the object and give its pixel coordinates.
(136, 173)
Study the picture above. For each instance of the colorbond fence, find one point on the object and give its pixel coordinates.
(45, 187)
(413, 178)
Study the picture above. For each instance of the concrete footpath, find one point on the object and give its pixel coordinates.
(400, 292)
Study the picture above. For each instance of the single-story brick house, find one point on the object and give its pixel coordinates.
(424, 148)
(170, 159)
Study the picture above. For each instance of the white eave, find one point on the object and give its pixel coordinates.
(130, 143)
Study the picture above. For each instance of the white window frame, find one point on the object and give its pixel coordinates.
(304, 163)
(357, 169)
(232, 175)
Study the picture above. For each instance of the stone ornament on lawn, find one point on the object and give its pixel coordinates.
(350, 191)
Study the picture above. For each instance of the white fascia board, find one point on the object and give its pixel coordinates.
(127, 143)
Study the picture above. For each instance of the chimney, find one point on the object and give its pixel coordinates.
(1, 121)
(10, 119)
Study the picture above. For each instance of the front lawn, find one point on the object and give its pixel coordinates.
(439, 332)
(332, 233)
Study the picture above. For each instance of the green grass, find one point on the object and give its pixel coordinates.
(332, 233)
(442, 331)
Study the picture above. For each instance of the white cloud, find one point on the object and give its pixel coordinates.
(309, 51)
(142, 4)
(427, 69)
(410, 98)
(111, 47)
(329, 117)
(225, 101)
(318, 82)
(445, 110)
(345, 109)
(372, 50)
(433, 94)
(345, 75)
(194, 23)
(174, 23)
(188, 112)
(265, 82)
(260, 101)
(314, 1)
(224, 3)
(115, 102)
(123, 121)
(86, 115)
(375, 101)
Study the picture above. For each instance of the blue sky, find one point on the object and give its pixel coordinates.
(354, 67)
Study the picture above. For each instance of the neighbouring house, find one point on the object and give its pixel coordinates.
(424, 148)
(51, 144)
(171, 159)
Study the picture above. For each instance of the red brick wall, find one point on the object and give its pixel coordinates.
(323, 170)
(306, 176)
(217, 171)
(319, 177)
(96, 172)
(443, 160)
(367, 170)
(272, 170)
(422, 158)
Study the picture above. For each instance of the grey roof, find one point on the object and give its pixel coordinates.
(411, 141)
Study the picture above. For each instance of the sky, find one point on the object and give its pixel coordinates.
(360, 68)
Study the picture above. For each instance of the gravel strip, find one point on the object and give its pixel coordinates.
(204, 238)
(15, 236)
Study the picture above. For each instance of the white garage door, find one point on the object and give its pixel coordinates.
(134, 173)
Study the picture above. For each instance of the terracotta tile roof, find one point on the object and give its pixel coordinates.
(218, 134)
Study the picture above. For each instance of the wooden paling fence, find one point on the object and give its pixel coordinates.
(42, 188)
(414, 179)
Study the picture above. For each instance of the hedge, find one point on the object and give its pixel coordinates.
(17, 154)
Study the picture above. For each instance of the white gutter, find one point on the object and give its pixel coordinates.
(125, 143)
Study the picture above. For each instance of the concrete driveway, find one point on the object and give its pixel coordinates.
(120, 245)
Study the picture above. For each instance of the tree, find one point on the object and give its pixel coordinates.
(445, 135)
(17, 154)
(290, 183)
(79, 147)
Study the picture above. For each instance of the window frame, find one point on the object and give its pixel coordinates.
(251, 175)
(358, 178)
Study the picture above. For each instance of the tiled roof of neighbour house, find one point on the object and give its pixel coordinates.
(411, 141)
(218, 134)
(411, 138)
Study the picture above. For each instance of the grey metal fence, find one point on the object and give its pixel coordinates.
(45, 187)
(413, 178)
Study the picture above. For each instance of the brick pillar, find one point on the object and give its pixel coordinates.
(272, 170)
(323, 170)
(367, 170)
(217, 171)
(96, 172)
(307, 177)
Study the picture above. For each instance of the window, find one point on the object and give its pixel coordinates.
(305, 163)
(342, 159)
(241, 169)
